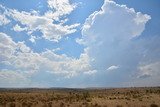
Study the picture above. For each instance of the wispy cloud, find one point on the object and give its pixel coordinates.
(113, 67)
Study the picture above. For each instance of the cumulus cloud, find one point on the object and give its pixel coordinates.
(50, 31)
(109, 35)
(61, 7)
(19, 57)
(109, 39)
(128, 24)
(45, 23)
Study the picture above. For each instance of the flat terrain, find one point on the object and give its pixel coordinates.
(63, 97)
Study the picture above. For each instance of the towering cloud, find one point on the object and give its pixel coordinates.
(111, 36)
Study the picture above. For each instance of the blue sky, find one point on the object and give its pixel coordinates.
(79, 43)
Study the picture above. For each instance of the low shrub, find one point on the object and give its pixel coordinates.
(153, 105)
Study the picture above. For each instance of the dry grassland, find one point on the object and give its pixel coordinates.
(57, 97)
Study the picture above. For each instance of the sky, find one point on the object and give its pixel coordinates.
(79, 43)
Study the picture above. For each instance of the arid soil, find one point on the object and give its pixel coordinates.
(63, 97)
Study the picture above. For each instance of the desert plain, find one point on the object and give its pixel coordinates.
(85, 97)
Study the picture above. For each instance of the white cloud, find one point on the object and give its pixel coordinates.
(20, 57)
(147, 74)
(7, 47)
(66, 65)
(106, 21)
(33, 39)
(50, 31)
(46, 24)
(113, 67)
(23, 47)
(59, 8)
(13, 79)
(18, 28)
(148, 70)
(90, 72)
(3, 19)
(108, 34)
